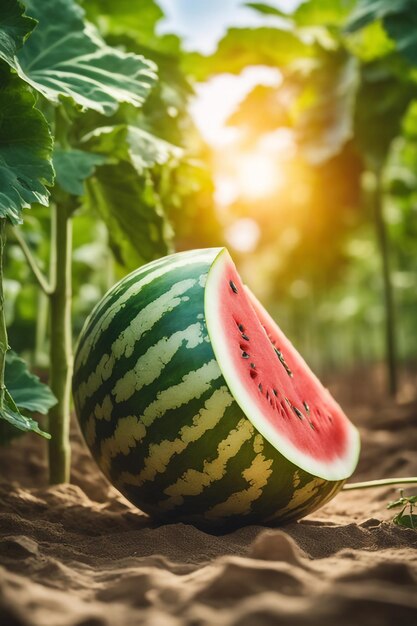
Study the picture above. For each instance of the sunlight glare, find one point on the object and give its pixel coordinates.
(243, 235)
(258, 175)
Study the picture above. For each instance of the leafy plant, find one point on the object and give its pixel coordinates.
(59, 78)
(25, 169)
(403, 518)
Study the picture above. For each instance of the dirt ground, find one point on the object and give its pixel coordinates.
(80, 555)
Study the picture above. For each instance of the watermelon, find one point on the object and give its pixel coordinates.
(196, 406)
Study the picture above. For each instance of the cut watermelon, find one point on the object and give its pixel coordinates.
(272, 383)
(196, 406)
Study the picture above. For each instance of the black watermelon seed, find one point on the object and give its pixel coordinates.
(245, 337)
(298, 413)
(233, 286)
(260, 387)
(275, 392)
(241, 327)
(307, 408)
(312, 426)
(283, 362)
(245, 355)
(253, 365)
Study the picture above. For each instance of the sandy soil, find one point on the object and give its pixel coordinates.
(80, 555)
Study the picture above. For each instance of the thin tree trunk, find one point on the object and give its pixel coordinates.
(390, 339)
(61, 346)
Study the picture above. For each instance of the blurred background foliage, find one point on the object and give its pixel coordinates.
(290, 186)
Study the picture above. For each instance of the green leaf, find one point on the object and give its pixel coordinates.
(370, 43)
(368, 11)
(25, 149)
(137, 227)
(27, 391)
(11, 414)
(129, 143)
(382, 101)
(402, 28)
(241, 47)
(15, 27)
(324, 121)
(72, 167)
(323, 12)
(134, 19)
(66, 58)
(266, 9)
(408, 520)
(275, 111)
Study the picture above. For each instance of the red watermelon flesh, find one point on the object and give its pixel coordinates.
(272, 383)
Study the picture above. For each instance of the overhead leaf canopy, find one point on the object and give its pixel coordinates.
(323, 12)
(383, 98)
(66, 58)
(138, 20)
(266, 9)
(368, 11)
(324, 120)
(241, 47)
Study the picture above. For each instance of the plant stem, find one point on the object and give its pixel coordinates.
(42, 280)
(40, 356)
(381, 232)
(385, 482)
(61, 345)
(4, 345)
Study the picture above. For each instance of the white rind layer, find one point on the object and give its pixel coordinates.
(339, 468)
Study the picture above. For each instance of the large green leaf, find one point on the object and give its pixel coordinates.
(128, 205)
(66, 58)
(10, 416)
(72, 167)
(135, 19)
(14, 29)
(383, 99)
(323, 12)
(370, 43)
(27, 391)
(402, 28)
(241, 47)
(324, 120)
(25, 149)
(129, 143)
(399, 20)
(266, 9)
(274, 107)
(24, 393)
(368, 11)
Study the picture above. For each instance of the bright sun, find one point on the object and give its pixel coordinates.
(257, 175)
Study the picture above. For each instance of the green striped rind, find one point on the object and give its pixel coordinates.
(158, 415)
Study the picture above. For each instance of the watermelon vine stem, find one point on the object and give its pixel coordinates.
(385, 482)
(60, 344)
(37, 272)
(4, 345)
